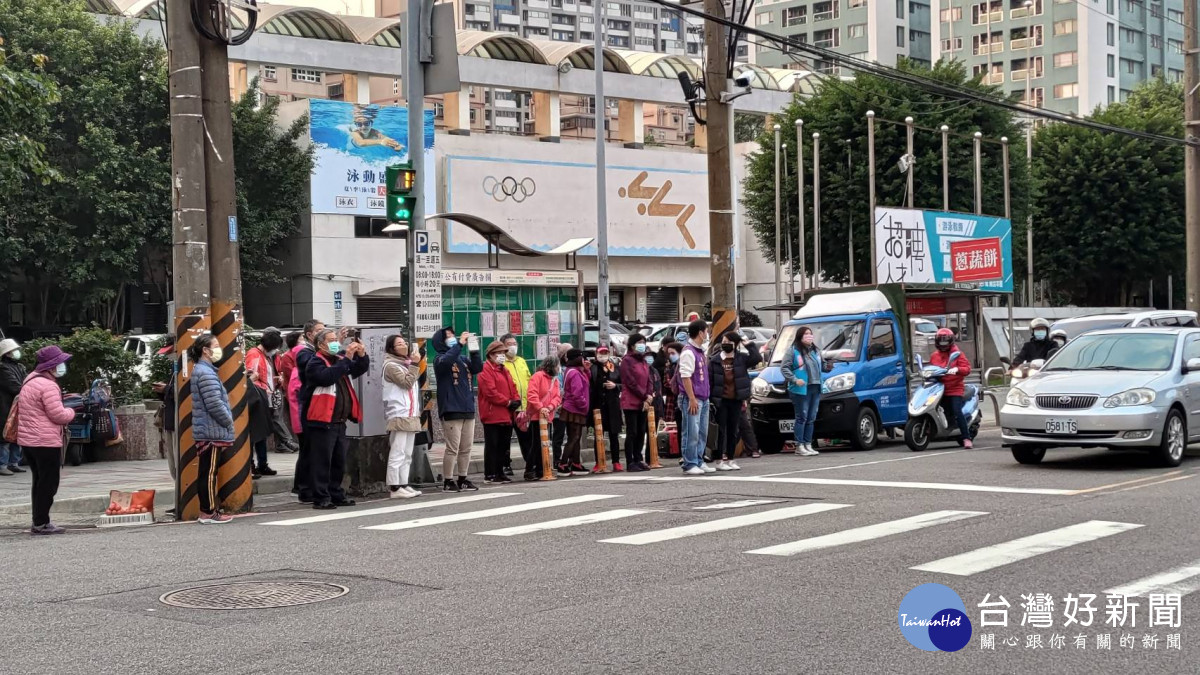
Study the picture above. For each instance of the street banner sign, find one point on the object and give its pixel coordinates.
(427, 281)
(976, 260)
(914, 247)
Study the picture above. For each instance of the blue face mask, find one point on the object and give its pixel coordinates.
(451, 341)
(674, 358)
(681, 337)
(649, 360)
(640, 348)
(334, 346)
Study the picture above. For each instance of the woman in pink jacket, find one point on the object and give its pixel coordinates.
(544, 398)
(40, 423)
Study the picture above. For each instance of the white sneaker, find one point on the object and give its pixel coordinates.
(811, 451)
(694, 471)
(402, 493)
(733, 466)
(707, 469)
(414, 493)
(724, 466)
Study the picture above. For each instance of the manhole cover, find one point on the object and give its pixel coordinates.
(253, 595)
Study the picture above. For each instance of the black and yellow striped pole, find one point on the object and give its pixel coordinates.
(234, 481)
(190, 323)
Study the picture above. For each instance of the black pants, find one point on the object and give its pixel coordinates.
(327, 463)
(528, 443)
(533, 463)
(209, 459)
(610, 417)
(729, 416)
(497, 446)
(574, 440)
(260, 451)
(746, 432)
(44, 464)
(300, 482)
(635, 434)
(558, 436)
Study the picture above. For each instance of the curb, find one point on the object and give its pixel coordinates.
(95, 504)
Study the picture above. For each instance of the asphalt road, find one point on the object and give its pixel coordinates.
(430, 593)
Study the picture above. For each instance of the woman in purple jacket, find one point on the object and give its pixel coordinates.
(575, 407)
(637, 394)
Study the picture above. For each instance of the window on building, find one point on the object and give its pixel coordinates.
(948, 15)
(1111, 37)
(1127, 5)
(900, 36)
(952, 46)
(1131, 36)
(309, 76)
(764, 19)
(1174, 75)
(1066, 59)
(1175, 46)
(1155, 70)
(267, 73)
(1111, 7)
(1070, 90)
(1125, 95)
(856, 30)
(856, 3)
(1156, 11)
(1064, 27)
(395, 86)
(900, 11)
(1112, 94)
(1175, 16)
(366, 226)
(1156, 42)
(795, 16)
(1130, 65)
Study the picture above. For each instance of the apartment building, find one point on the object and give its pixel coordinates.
(876, 30)
(1077, 54)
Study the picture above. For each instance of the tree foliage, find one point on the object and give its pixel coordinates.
(25, 98)
(1109, 213)
(95, 353)
(837, 110)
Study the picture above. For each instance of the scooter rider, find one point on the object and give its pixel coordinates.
(1058, 340)
(1038, 346)
(958, 367)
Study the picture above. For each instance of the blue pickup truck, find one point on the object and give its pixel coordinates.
(863, 334)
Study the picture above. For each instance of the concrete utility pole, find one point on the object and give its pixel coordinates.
(1029, 147)
(1191, 172)
(414, 95)
(224, 268)
(189, 251)
(601, 117)
(718, 117)
(778, 230)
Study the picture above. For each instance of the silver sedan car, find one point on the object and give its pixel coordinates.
(1124, 388)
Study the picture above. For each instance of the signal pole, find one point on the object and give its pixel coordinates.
(1191, 168)
(719, 117)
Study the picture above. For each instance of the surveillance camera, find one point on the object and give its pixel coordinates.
(565, 67)
(742, 79)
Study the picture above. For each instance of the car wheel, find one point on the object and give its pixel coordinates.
(1174, 440)
(1028, 454)
(918, 433)
(866, 430)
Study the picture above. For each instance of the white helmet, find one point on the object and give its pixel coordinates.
(1039, 323)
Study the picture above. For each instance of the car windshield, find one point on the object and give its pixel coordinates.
(1117, 351)
(830, 336)
(1077, 327)
(925, 327)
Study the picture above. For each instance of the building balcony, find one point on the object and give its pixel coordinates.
(1023, 43)
(994, 48)
(994, 78)
(537, 23)
(1021, 12)
(1019, 75)
(537, 4)
(996, 17)
(509, 19)
(824, 16)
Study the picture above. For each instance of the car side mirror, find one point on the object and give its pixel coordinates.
(1192, 366)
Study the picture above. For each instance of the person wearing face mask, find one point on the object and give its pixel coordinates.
(12, 374)
(1039, 344)
(498, 402)
(558, 431)
(575, 409)
(670, 389)
(545, 398)
(694, 384)
(1058, 338)
(730, 371)
(41, 417)
(606, 397)
(519, 370)
(958, 367)
(637, 395)
(332, 403)
(802, 370)
(402, 408)
(260, 368)
(302, 354)
(212, 424)
(456, 403)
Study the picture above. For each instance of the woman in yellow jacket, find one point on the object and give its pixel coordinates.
(519, 370)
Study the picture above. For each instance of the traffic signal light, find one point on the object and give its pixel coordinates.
(400, 196)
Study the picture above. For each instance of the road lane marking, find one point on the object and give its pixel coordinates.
(990, 557)
(736, 505)
(956, 487)
(1182, 580)
(861, 534)
(588, 519)
(488, 513)
(1128, 482)
(850, 466)
(1169, 480)
(410, 506)
(656, 536)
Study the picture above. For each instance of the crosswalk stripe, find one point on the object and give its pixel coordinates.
(1181, 580)
(736, 505)
(861, 534)
(990, 557)
(770, 516)
(410, 506)
(488, 513)
(912, 485)
(600, 517)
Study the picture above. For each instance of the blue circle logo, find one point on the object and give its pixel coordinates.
(932, 617)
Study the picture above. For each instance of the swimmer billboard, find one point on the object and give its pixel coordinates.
(353, 146)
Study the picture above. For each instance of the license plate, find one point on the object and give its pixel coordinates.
(1061, 426)
(787, 426)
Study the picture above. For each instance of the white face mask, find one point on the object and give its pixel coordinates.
(16, 355)
(217, 353)
(60, 370)
(512, 350)
(602, 359)
(500, 360)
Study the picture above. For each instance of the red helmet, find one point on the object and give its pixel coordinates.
(944, 339)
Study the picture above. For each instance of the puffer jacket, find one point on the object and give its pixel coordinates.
(12, 374)
(401, 394)
(544, 393)
(42, 413)
(496, 391)
(293, 390)
(212, 420)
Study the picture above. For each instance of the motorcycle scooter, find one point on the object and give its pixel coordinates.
(927, 421)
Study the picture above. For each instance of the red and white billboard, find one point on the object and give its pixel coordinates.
(976, 260)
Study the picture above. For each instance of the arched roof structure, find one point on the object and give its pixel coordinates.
(303, 22)
(581, 56)
(660, 65)
(369, 30)
(500, 46)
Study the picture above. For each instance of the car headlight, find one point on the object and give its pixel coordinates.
(1131, 397)
(1017, 398)
(838, 383)
(759, 387)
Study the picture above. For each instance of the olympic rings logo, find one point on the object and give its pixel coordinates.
(502, 189)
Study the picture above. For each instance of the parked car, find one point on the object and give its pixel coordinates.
(141, 345)
(663, 331)
(618, 336)
(1125, 388)
(1164, 318)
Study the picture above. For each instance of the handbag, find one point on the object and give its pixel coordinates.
(10, 425)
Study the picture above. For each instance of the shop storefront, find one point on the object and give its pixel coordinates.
(541, 308)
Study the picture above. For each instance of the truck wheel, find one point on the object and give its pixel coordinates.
(918, 433)
(1174, 441)
(75, 454)
(866, 430)
(1028, 454)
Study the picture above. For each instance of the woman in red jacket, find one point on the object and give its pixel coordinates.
(958, 367)
(498, 399)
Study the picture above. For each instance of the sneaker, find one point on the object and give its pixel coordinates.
(811, 451)
(345, 502)
(411, 491)
(723, 466)
(401, 493)
(530, 476)
(707, 469)
(449, 486)
(265, 470)
(254, 474)
(214, 518)
(562, 471)
(508, 471)
(5, 471)
(634, 467)
(595, 469)
(502, 479)
(488, 480)
(324, 506)
(644, 466)
(578, 470)
(694, 471)
(967, 444)
(617, 466)
(733, 466)
(15, 469)
(464, 484)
